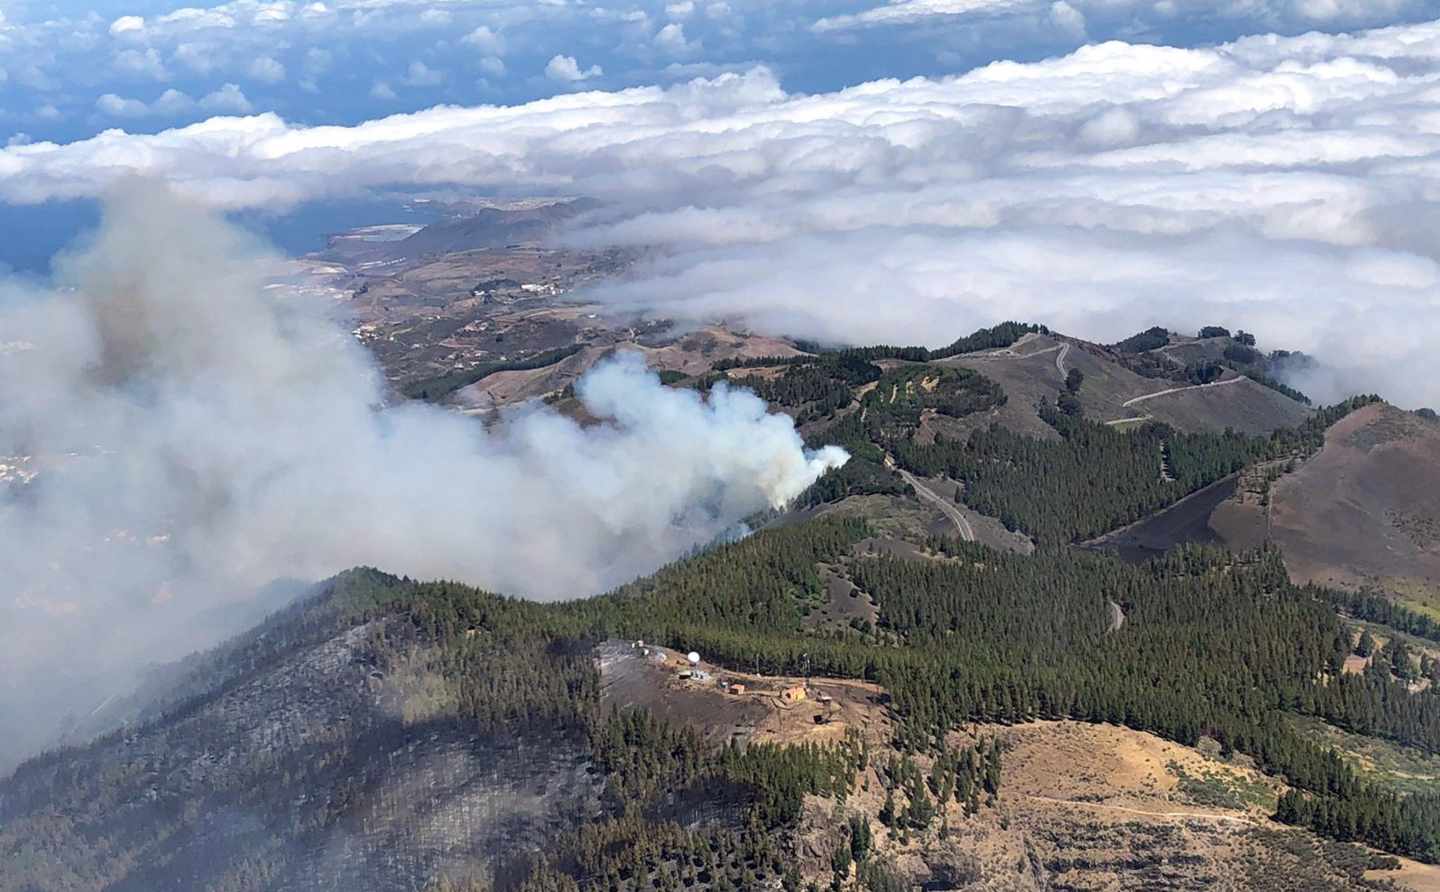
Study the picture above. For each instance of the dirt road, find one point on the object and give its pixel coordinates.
(946, 507)
(1151, 396)
(1151, 814)
(1135, 420)
(1060, 360)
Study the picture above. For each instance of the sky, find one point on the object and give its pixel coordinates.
(1286, 185)
(72, 69)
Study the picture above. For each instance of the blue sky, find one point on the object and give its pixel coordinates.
(69, 69)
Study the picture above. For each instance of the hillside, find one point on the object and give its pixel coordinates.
(911, 677)
(294, 757)
(1363, 511)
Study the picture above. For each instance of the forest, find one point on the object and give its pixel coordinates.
(1213, 645)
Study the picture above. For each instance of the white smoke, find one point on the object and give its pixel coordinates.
(196, 437)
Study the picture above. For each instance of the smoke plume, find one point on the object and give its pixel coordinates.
(193, 437)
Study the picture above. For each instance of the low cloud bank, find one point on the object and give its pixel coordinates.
(194, 437)
(1283, 185)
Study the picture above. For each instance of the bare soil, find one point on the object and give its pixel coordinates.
(1355, 513)
(1094, 807)
(631, 677)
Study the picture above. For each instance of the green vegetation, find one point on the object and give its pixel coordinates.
(816, 388)
(1385, 763)
(1095, 478)
(1092, 480)
(1371, 606)
(993, 338)
(1149, 339)
(1218, 788)
(1214, 645)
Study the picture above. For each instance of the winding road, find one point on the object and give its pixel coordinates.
(946, 507)
(1060, 360)
(1151, 396)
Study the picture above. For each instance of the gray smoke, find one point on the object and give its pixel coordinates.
(193, 437)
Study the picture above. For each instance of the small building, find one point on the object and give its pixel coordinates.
(699, 675)
(736, 688)
(793, 694)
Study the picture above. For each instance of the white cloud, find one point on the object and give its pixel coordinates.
(566, 70)
(127, 24)
(120, 107)
(228, 100)
(141, 63)
(421, 75)
(318, 61)
(682, 10)
(1068, 19)
(175, 103)
(382, 90)
(201, 58)
(172, 103)
(1285, 185)
(493, 66)
(435, 17)
(911, 11)
(267, 70)
(1128, 16)
(486, 40)
(191, 19)
(671, 39)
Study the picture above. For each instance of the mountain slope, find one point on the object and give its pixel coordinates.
(300, 756)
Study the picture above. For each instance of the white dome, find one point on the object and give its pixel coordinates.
(694, 658)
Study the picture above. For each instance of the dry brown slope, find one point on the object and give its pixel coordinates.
(1366, 509)
(1245, 406)
(1094, 807)
(1028, 373)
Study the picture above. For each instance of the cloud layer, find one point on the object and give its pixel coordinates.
(195, 438)
(342, 61)
(1283, 185)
